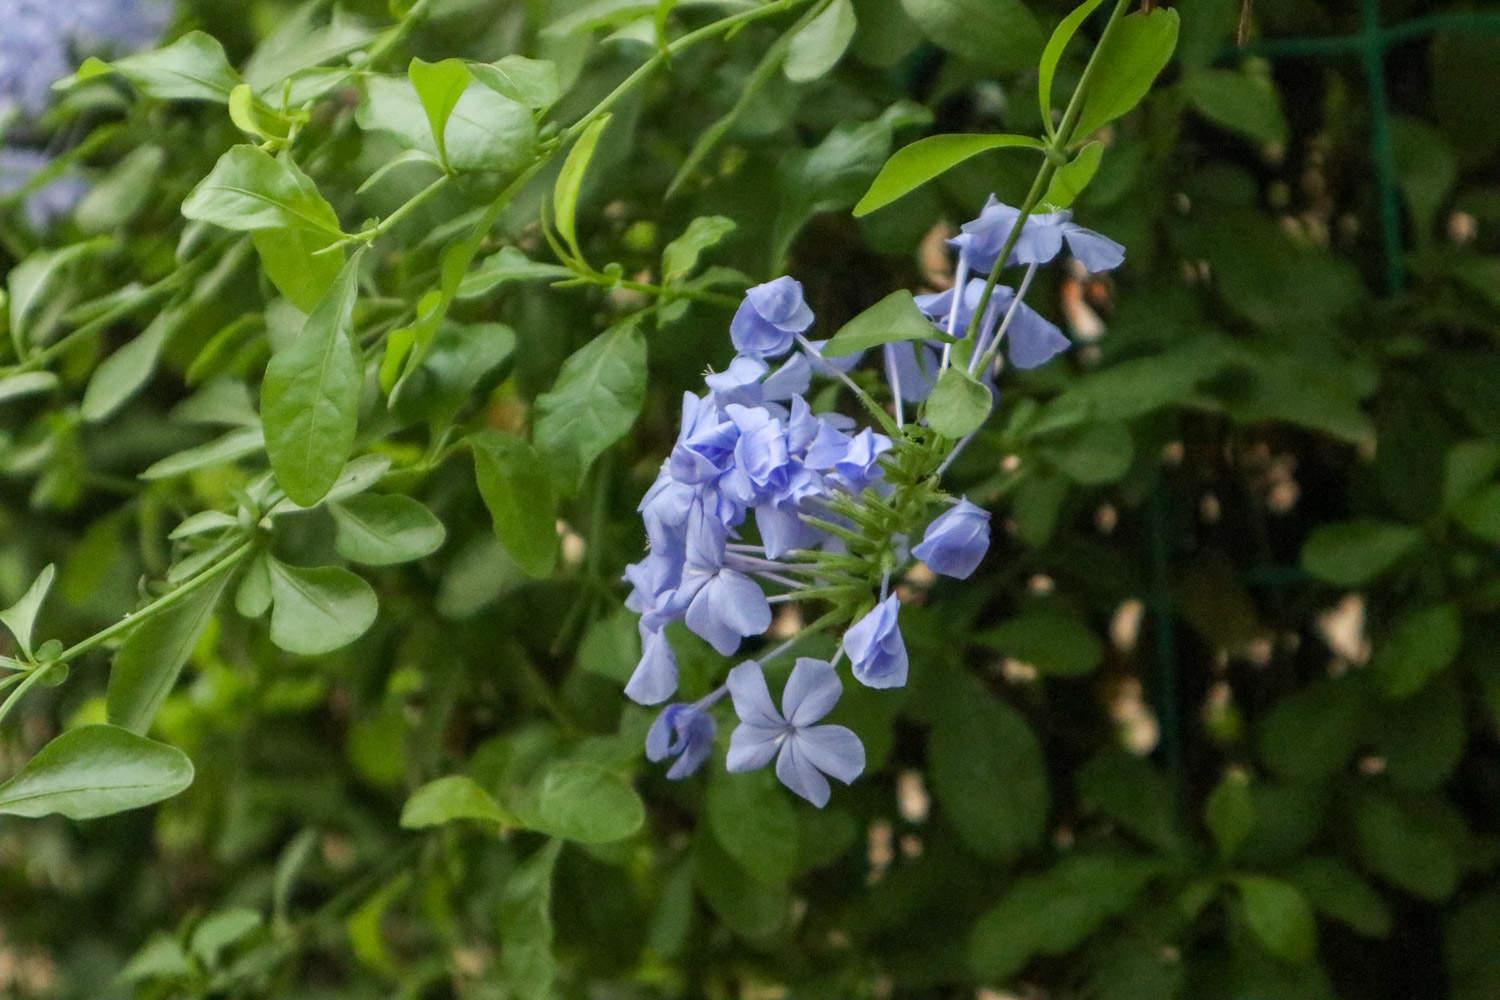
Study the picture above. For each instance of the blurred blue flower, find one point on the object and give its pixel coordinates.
(47, 203)
(956, 540)
(684, 731)
(804, 752)
(768, 321)
(875, 647)
(1041, 239)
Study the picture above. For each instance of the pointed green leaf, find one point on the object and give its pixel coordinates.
(893, 319)
(310, 395)
(20, 617)
(527, 966)
(594, 403)
(569, 186)
(193, 68)
(912, 166)
(818, 47)
(1136, 51)
(1072, 177)
(439, 86)
(452, 798)
(121, 375)
(517, 489)
(532, 82)
(1279, 915)
(248, 189)
(148, 664)
(958, 405)
(1229, 812)
(1053, 53)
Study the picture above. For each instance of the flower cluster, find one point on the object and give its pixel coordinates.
(760, 493)
(41, 42)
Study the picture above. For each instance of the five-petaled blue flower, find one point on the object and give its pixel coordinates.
(804, 752)
(768, 321)
(685, 731)
(1041, 239)
(956, 540)
(875, 647)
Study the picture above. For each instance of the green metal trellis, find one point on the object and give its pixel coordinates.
(1371, 44)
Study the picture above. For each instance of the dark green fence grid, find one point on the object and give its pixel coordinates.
(1371, 45)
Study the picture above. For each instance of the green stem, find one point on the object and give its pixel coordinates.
(14, 699)
(1055, 151)
(664, 55)
(396, 35)
(411, 205)
(224, 564)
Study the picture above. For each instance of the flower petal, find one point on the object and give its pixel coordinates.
(811, 691)
(797, 773)
(1095, 251)
(752, 747)
(751, 697)
(834, 750)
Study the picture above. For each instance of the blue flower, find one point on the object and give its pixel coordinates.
(1041, 239)
(684, 731)
(804, 752)
(956, 540)
(768, 321)
(875, 647)
(655, 677)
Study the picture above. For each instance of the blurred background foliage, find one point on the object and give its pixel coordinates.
(1216, 719)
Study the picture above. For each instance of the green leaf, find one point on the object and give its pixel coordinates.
(569, 186)
(527, 967)
(310, 395)
(1072, 177)
(318, 610)
(1311, 734)
(1336, 891)
(510, 264)
(248, 189)
(121, 375)
(517, 489)
(455, 797)
(1422, 645)
(221, 930)
(1279, 915)
(193, 68)
(27, 384)
(148, 664)
(35, 275)
(893, 319)
(817, 48)
(532, 82)
(1479, 513)
(1229, 812)
(1126, 65)
(1054, 912)
(914, 165)
(958, 405)
(594, 403)
(298, 43)
(1410, 849)
(1055, 641)
(755, 824)
(96, 771)
(1239, 102)
(484, 132)
(1469, 930)
(680, 257)
(1053, 53)
(1428, 170)
(1421, 738)
(382, 529)
(21, 616)
(1093, 454)
(231, 447)
(299, 263)
(999, 35)
(576, 800)
(1354, 553)
(987, 772)
(252, 598)
(439, 86)
(123, 194)
(1134, 793)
